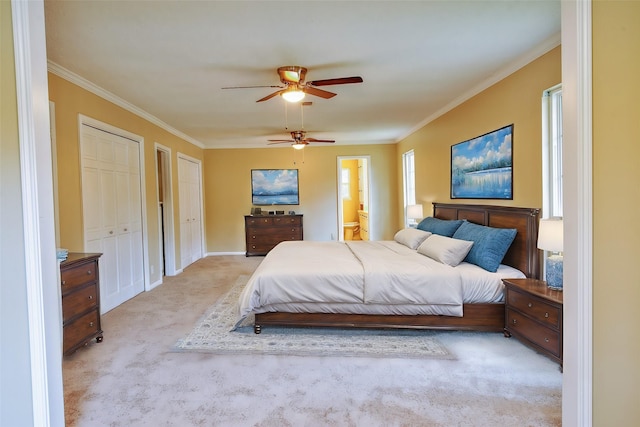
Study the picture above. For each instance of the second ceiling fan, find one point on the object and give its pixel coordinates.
(294, 87)
(299, 140)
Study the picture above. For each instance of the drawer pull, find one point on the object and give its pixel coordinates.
(91, 324)
(89, 272)
(293, 230)
(546, 340)
(546, 315)
(253, 237)
(530, 305)
(514, 321)
(64, 282)
(90, 297)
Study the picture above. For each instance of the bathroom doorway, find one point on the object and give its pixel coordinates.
(354, 214)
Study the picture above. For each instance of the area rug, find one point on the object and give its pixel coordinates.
(213, 334)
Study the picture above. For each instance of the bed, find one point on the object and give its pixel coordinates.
(375, 284)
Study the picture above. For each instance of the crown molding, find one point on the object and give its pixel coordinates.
(544, 47)
(105, 94)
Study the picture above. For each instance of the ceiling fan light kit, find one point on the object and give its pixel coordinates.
(292, 94)
(298, 146)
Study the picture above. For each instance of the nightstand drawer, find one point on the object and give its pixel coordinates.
(534, 307)
(538, 334)
(77, 276)
(81, 329)
(78, 302)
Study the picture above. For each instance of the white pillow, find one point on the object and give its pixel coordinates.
(411, 237)
(446, 250)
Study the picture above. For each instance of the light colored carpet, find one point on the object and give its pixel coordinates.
(134, 379)
(215, 333)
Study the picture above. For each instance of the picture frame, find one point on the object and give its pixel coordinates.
(482, 167)
(274, 187)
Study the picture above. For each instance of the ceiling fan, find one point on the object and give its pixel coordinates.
(294, 88)
(299, 140)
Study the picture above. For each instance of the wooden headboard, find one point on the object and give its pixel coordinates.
(523, 253)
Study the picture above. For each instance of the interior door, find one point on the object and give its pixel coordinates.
(190, 201)
(112, 213)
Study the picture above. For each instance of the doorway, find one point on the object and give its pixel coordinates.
(165, 211)
(354, 208)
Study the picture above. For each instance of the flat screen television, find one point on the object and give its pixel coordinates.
(274, 187)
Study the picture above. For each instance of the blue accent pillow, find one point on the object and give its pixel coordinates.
(490, 244)
(443, 227)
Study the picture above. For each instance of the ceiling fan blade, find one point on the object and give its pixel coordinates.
(338, 81)
(318, 92)
(320, 140)
(281, 140)
(270, 96)
(247, 87)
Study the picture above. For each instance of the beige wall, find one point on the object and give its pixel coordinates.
(70, 101)
(228, 190)
(616, 198)
(515, 99)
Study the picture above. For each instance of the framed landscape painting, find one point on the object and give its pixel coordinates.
(482, 167)
(274, 187)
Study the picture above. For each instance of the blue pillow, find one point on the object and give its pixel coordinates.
(443, 227)
(490, 244)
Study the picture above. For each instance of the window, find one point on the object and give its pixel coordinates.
(409, 184)
(552, 152)
(346, 184)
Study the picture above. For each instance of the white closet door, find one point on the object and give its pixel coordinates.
(190, 211)
(112, 213)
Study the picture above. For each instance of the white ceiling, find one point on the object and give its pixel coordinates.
(418, 59)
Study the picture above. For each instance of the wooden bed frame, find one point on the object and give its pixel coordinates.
(523, 255)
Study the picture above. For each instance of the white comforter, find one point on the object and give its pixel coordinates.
(365, 277)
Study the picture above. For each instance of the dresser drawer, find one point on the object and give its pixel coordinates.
(534, 332)
(537, 308)
(78, 275)
(81, 330)
(80, 301)
(292, 233)
(287, 221)
(259, 222)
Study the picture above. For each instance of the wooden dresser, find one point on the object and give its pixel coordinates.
(80, 281)
(263, 232)
(533, 313)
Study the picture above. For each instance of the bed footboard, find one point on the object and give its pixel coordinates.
(477, 317)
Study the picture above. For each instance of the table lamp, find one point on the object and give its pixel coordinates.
(550, 236)
(414, 213)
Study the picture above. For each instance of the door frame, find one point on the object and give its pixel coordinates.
(168, 241)
(340, 225)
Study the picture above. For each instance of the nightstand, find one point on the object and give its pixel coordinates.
(533, 313)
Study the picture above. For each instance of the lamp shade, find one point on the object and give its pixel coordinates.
(550, 234)
(414, 212)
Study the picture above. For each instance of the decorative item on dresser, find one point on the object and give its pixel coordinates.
(262, 233)
(80, 282)
(533, 312)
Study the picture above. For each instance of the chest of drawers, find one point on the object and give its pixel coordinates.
(533, 313)
(80, 282)
(262, 233)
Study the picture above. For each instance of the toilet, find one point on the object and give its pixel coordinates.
(351, 231)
